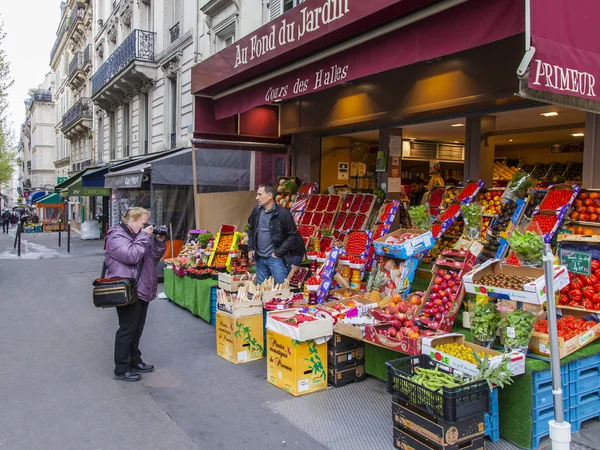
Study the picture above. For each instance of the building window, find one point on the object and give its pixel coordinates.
(225, 37)
(113, 135)
(100, 138)
(173, 111)
(125, 130)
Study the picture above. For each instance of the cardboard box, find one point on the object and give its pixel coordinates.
(467, 369)
(409, 346)
(239, 340)
(341, 378)
(534, 292)
(362, 306)
(422, 241)
(434, 431)
(321, 327)
(345, 360)
(296, 367)
(340, 343)
(540, 343)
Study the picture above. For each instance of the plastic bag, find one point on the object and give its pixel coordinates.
(527, 242)
(485, 320)
(516, 327)
(472, 216)
(420, 217)
(90, 229)
(518, 186)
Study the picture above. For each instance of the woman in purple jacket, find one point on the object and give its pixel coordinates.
(129, 247)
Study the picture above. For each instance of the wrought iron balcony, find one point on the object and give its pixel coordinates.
(73, 31)
(174, 32)
(41, 95)
(173, 140)
(137, 48)
(78, 119)
(77, 67)
(59, 37)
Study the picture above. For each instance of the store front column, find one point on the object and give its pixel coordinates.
(480, 148)
(591, 151)
(307, 154)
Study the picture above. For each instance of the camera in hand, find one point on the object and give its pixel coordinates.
(157, 231)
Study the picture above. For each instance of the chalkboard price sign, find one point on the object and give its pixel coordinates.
(576, 262)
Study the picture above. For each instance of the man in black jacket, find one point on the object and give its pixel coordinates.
(273, 239)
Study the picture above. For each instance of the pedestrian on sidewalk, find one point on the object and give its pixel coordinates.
(132, 249)
(5, 220)
(274, 242)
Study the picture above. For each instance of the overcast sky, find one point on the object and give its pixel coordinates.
(30, 28)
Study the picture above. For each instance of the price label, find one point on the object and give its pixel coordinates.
(510, 332)
(576, 262)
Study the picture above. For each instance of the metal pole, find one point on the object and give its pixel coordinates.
(171, 237)
(59, 232)
(19, 239)
(69, 236)
(195, 184)
(560, 431)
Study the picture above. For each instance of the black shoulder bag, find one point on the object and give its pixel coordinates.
(115, 292)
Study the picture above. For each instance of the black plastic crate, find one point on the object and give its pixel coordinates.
(404, 438)
(449, 404)
(340, 343)
(339, 378)
(346, 360)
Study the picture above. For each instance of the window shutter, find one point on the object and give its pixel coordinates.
(275, 9)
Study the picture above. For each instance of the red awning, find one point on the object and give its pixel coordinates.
(462, 27)
(566, 39)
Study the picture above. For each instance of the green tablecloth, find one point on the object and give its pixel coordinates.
(515, 401)
(190, 293)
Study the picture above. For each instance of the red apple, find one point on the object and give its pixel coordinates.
(391, 332)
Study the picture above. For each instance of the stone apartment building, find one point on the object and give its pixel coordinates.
(38, 136)
(71, 63)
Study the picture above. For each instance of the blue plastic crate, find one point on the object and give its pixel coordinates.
(492, 426)
(584, 363)
(493, 435)
(541, 417)
(587, 380)
(588, 408)
(494, 406)
(542, 389)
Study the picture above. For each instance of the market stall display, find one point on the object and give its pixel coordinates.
(358, 290)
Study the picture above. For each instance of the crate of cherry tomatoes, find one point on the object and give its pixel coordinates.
(559, 197)
(357, 243)
(548, 222)
(358, 203)
(350, 221)
(469, 192)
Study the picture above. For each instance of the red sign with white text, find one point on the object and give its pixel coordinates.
(462, 27)
(567, 47)
(310, 26)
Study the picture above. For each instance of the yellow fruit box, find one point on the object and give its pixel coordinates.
(239, 339)
(465, 368)
(296, 367)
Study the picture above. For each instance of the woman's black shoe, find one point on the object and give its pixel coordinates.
(127, 376)
(143, 367)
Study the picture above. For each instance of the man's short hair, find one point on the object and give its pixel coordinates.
(269, 189)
